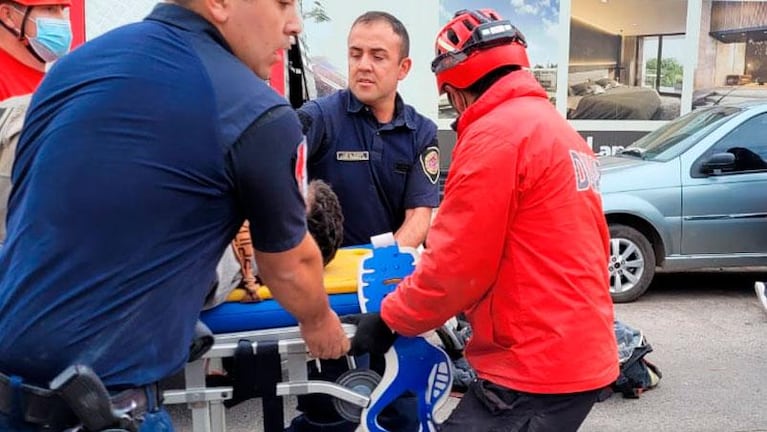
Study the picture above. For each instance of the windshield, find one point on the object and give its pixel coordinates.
(672, 139)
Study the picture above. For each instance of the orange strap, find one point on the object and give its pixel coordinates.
(243, 251)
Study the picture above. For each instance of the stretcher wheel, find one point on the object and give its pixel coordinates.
(362, 381)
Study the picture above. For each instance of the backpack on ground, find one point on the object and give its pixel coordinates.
(637, 374)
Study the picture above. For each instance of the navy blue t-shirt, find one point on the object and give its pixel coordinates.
(145, 149)
(377, 170)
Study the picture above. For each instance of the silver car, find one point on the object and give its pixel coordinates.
(689, 195)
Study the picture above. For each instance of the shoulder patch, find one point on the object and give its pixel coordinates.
(430, 163)
(301, 175)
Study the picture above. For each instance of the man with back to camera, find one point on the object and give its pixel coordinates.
(521, 179)
(143, 153)
(35, 33)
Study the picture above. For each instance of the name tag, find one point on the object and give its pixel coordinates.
(352, 156)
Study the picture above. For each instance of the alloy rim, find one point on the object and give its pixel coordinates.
(626, 265)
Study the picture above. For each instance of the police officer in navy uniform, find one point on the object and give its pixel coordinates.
(382, 159)
(143, 153)
(380, 156)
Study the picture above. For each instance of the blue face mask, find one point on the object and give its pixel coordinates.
(54, 36)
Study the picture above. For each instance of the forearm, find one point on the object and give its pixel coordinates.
(411, 310)
(415, 227)
(295, 279)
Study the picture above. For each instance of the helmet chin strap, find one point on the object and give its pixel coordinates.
(21, 34)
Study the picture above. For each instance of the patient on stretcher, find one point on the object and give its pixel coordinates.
(237, 273)
(238, 284)
(425, 382)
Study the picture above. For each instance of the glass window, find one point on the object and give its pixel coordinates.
(748, 142)
(662, 60)
(672, 139)
(649, 68)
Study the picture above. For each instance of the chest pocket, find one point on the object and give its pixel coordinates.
(398, 163)
(401, 167)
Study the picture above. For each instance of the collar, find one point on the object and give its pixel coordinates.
(403, 116)
(517, 84)
(7, 60)
(183, 18)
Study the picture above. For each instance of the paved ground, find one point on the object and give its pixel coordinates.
(708, 332)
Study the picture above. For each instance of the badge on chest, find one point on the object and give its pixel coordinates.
(352, 156)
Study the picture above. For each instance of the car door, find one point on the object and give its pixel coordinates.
(726, 212)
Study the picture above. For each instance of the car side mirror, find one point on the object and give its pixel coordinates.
(718, 163)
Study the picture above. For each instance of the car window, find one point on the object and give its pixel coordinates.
(748, 142)
(674, 138)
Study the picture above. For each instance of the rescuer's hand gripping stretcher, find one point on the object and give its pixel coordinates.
(265, 344)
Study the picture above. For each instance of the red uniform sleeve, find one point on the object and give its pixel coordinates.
(466, 240)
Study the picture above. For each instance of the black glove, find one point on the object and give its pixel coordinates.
(372, 334)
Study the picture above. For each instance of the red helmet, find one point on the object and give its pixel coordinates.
(473, 44)
(44, 2)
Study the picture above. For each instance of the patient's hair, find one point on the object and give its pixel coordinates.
(324, 219)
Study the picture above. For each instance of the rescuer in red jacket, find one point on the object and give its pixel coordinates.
(520, 244)
(34, 33)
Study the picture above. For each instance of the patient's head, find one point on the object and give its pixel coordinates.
(324, 219)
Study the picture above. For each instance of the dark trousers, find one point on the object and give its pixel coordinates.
(487, 407)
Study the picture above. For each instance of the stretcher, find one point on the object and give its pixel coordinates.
(269, 335)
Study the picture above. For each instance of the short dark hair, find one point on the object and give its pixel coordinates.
(324, 219)
(396, 25)
(481, 85)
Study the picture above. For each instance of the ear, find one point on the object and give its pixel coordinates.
(457, 98)
(6, 15)
(218, 10)
(404, 68)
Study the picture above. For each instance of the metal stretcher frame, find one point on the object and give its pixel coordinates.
(207, 403)
(429, 377)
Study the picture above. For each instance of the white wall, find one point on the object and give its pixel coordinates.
(104, 15)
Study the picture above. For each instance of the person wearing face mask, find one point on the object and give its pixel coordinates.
(128, 191)
(35, 33)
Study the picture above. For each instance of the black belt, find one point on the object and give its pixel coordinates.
(43, 407)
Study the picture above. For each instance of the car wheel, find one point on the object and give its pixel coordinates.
(632, 263)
